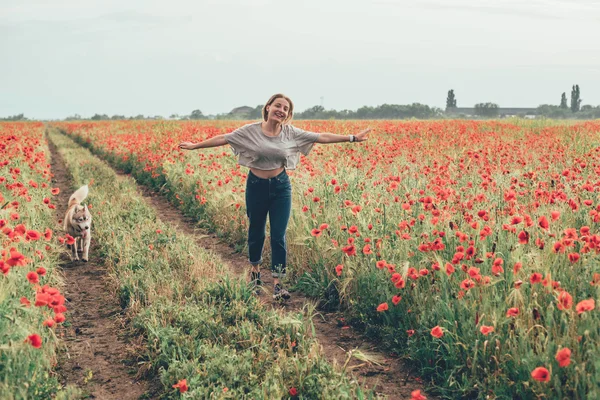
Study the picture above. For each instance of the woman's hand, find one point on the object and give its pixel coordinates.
(187, 145)
(362, 136)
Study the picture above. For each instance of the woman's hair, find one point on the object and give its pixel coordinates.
(290, 115)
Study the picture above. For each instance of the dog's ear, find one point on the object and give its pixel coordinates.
(85, 209)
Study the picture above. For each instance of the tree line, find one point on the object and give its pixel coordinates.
(563, 110)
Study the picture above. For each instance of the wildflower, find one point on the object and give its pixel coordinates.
(293, 392)
(33, 277)
(69, 239)
(55, 191)
(16, 258)
(33, 235)
(49, 323)
(437, 332)
(536, 277)
(563, 356)
(585, 305)
(486, 330)
(517, 267)
(541, 374)
(367, 249)
(59, 318)
(316, 232)
(416, 395)
(396, 299)
(382, 307)
(338, 269)
(25, 301)
(35, 340)
(350, 250)
(523, 237)
(543, 222)
(181, 385)
(565, 301)
(512, 312)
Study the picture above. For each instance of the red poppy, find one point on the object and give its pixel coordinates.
(517, 267)
(41, 271)
(382, 307)
(25, 301)
(55, 191)
(33, 235)
(523, 237)
(416, 395)
(33, 277)
(350, 250)
(536, 277)
(48, 234)
(574, 257)
(585, 305)
(512, 312)
(565, 301)
(396, 299)
(42, 299)
(563, 356)
(293, 392)
(16, 259)
(541, 374)
(555, 215)
(59, 318)
(410, 332)
(486, 330)
(49, 323)
(181, 385)
(543, 222)
(69, 239)
(35, 340)
(338, 269)
(449, 269)
(316, 232)
(437, 332)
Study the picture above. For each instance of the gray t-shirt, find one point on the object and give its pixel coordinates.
(257, 150)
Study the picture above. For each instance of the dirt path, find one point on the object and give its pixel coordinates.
(94, 355)
(391, 377)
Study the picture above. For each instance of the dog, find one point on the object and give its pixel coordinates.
(78, 223)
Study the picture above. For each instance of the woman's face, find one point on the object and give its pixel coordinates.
(278, 110)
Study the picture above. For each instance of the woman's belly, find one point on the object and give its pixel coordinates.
(266, 174)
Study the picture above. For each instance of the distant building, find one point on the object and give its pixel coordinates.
(241, 111)
(503, 112)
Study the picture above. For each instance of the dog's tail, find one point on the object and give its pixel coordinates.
(79, 195)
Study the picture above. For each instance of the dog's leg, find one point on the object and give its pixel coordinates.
(74, 256)
(86, 247)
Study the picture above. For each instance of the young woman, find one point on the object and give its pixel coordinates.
(269, 148)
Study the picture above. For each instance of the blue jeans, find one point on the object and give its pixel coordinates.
(273, 197)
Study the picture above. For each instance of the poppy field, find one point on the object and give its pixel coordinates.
(31, 303)
(468, 247)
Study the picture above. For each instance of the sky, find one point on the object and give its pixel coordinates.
(132, 57)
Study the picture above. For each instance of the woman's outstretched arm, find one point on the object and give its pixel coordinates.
(216, 141)
(334, 138)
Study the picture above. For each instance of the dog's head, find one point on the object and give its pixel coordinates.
(81, 219)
